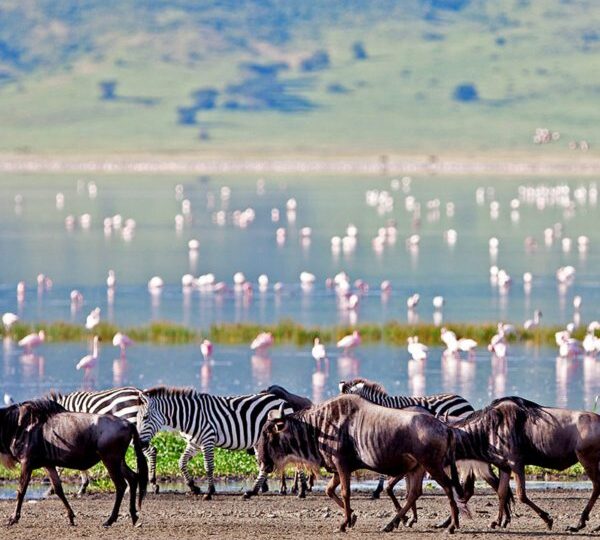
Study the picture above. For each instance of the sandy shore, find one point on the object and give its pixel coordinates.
(172, 516)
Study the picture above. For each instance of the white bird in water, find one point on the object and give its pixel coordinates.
(90, 360)
(206, 348)
(350, 341)
(467, 345)
(155, 284)
(122, 341)
(31, 341)
(8, 319)
(530, 324)
(93, 319)
(568, 347)
(498, 344)
(263, 341)
(111, 279)
(438, 302)
(449, 339)
(318, 351)
(418, 351)
(591, 343)
(413, 301)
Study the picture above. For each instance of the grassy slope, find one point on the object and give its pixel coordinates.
(400, 99)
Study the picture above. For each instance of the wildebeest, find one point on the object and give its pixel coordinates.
(513, 432)
(297, 403)
(448, 407)
(41, 433)
(348, 433)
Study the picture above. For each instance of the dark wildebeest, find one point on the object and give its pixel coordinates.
(41, 433)
(513, 432)
(447, 407)
(297, 403)
(348, 433)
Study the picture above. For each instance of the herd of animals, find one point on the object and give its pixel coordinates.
(362, 428)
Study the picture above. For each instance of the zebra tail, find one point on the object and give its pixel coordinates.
(142, 465)
(456, 487)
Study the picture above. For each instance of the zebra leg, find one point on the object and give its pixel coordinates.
(208, 450)
(283, 485)
(261, 481)
(189, 452)
(303, 484)
(377, 492)
(150, 453)
(85, 482)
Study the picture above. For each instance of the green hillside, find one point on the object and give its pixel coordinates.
(270, 77)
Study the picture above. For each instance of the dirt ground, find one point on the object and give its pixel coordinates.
(171, 516)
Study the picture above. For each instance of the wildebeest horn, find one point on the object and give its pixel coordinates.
(281, 406)
(277, 414)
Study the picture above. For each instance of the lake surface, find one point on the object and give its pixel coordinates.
(529, 372)
(34, 239)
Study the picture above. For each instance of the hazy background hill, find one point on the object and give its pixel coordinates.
(256, 76)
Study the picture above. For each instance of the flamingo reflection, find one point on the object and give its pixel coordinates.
(416, 377)
(348, 366)
(119, 371)
(261, 369)
(498, 376)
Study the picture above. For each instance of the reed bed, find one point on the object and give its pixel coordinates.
(284, 332)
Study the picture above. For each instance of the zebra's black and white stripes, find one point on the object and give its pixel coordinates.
(206, 422)
(440, 405)
(122, 402)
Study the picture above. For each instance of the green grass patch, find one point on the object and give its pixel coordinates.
(285, 332)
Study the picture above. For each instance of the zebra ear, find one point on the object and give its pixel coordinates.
(342, 385)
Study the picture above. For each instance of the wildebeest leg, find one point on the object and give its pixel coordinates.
(502, 491)
(132, 480)
(23, 483)
(414, 491)
(85, 482)
(189, 452)
(330, 490)
(493, 481)
(377, 491)
(283, 485)
(468, 490)
(519, 471)
(208, 450)
(590, 464)
(57, 486)
(411, 481)
(114, 470)
(442, 479)
(345, 475)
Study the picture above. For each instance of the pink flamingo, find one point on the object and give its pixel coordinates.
(31, 341)
(206, 348)
(350, 341)
(263, 341)
(89, 360)
(122, 341)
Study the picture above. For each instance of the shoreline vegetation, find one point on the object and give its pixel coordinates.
(518, 164)
(285, 332)
(229, 465)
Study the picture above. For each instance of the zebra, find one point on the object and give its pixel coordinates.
(207, 421)
(440, 405)
(121, 402)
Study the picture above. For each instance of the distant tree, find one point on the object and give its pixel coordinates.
(186, 116)
(358, 49)
(108, 90)
(465, 92)
(205, 98)
(317, 61)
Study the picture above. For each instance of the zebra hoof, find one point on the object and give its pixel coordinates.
(249, 494)
(156, 489)
(207, 497)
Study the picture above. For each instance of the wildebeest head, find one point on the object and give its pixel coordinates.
(272, 444)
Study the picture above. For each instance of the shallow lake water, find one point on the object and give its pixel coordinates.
(34, 239)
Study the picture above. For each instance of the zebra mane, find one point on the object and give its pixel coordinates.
(368, 385)
(54, 395)
(157, 391)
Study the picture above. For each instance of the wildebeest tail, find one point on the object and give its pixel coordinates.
(142, 465)
(454, 476)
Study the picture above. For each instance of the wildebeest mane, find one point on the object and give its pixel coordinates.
(38, 411)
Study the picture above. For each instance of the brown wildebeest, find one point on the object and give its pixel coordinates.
(448, 407)
(41, 433)
(513, 432)
(348, 433)
(297, 403)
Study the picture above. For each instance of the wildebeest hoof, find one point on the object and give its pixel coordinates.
(375, 495)
(108, 523)
(549, 523)
(353, 520)
(283, 492)
(156, 488)
(302, 495)
(12, 521)
(249, 494)
(207, 497)
(493, 524)
(442, 524)
(411, 522)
